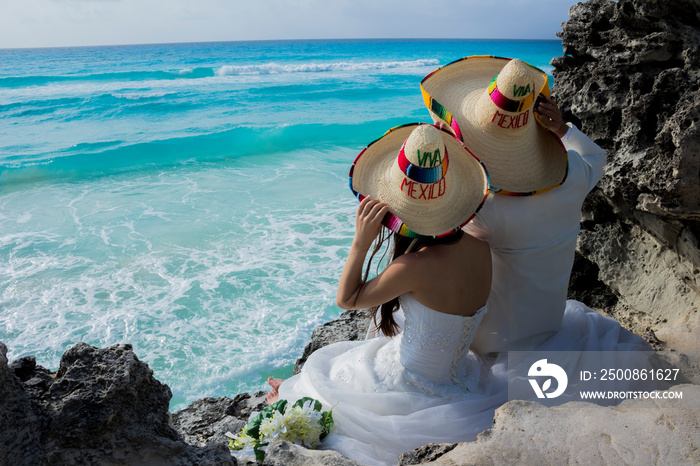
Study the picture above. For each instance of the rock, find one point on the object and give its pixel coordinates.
(426, 454)
(101, 390)
(24, 367)
(102, 406)
(206, 421)
(684, 337)
(630, 77)
(23, 420)
(287, 454)
(687, 363)
(349, 326)
(636, 432)
(585, 286)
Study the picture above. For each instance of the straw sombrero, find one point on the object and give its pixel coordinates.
(488, 102)
(432, 183)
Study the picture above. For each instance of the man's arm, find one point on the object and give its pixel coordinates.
(593, 155)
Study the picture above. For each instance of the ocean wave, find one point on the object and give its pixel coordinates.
(91, 160)
(199, 270)
(275, 68)
(187, 73)
(12, 82)
(42, 102)
(140, 95)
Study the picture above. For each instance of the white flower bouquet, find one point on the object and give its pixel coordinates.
(303, 424)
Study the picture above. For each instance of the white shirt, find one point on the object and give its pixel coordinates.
(533, 240)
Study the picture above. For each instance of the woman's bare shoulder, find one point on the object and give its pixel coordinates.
(467, 248)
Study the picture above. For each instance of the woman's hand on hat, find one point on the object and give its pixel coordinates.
(550, 116)
(368, 222)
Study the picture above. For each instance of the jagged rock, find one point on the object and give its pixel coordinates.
(426, 454)
(206, 421)
(102, 406)
(630, 77)
(687, 363)
(636, 432)
(22, 420)
(288, 454)
(683, 337)
(349, 326)
(585, 286)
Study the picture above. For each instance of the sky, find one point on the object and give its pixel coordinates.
(59, 23)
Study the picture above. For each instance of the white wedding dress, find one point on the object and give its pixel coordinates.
(390, 396)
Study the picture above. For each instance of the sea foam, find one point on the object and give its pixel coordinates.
(274, 68)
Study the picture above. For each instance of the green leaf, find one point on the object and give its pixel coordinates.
(259, 454)
(300, 402)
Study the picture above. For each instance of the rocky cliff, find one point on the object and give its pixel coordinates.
(102, 406)
(629, 78)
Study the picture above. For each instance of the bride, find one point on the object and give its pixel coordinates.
(406, 389)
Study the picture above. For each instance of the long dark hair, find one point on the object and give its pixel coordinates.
(386, 323)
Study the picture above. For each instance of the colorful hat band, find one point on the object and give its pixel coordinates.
(442, 113)
(438, 109)
(507, 104)
(394, 223)
(422, 174)
(391, 221)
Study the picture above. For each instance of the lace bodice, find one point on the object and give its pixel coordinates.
(434, 343)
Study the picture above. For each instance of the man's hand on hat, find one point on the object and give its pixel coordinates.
(550, 116)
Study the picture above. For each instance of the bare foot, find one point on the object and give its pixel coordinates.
(275, 383)
(272, 396)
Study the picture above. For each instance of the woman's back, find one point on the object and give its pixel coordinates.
(451, 278)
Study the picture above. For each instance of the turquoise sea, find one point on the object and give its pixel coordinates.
(192, 199)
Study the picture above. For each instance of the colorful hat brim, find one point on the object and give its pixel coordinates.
(466, 179)
(533, 162)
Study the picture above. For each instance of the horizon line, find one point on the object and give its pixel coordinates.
(359, 39)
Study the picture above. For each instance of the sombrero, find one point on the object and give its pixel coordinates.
(432, 183)
(488, 102)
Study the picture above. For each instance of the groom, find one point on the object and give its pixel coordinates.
(541, 171)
